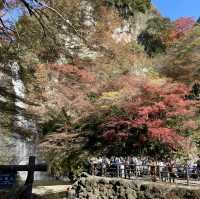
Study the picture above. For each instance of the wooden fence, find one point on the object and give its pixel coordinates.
(8, 177)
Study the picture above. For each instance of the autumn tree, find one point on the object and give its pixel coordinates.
(182, 26)
(161, 33)
(153, 122)
(37, 9)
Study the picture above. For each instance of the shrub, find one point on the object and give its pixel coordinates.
(152, 44)
(128, 7)
(56, 121)
(157, 35)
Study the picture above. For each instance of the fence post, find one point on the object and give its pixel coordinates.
(30, 177)
(159, 173)
(118, 170)
(26, 192)
(187, 175)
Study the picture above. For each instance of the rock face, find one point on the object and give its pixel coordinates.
(94, 187)
(130, 29)
(6, 99)
(15, 146)
(11, 147)
(111, 188)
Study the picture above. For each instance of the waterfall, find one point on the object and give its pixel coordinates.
(19, 90)
(23, 147)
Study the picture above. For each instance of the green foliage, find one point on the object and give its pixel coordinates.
(74, 162)
(152, 45)
(95, 119)
(8, 52)
(156, 36)
(187, 133)
(92, 96)
(156, 149)
(42, 42)
(137, 48)
(56, 121)
(128, 7)
(63, 162)
(158, 25)
(117, 111)
(90, 123)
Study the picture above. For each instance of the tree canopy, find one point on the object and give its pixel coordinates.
(128, 7)
(11, 10)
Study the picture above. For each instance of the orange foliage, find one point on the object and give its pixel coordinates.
(72, 71)
(182, 26)
(148, 112)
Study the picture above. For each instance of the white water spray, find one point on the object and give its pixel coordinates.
(23, 147)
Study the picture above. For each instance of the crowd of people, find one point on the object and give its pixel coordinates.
(127, 167)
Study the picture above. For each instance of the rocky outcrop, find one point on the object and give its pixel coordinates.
(94, 187)
(112, 188)
(130, 29)
(6, 99)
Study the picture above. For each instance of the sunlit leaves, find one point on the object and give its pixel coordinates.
(182, 26)
(148, 115)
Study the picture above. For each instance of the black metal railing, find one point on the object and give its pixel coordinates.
(172, 174)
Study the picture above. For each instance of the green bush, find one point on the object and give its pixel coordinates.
(72, 163)
(137, 48)
(152, 44)
(156, 35)
(56, 121)
(128, 7)
(158, 25)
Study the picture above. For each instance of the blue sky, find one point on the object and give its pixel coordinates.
(13, 14)
(178, 8)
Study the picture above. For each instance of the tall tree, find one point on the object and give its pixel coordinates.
(34, 8)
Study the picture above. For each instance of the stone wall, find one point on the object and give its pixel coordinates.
(112, 188)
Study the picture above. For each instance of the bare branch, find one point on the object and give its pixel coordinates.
(62, 17)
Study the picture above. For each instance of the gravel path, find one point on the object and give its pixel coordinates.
(45, 190)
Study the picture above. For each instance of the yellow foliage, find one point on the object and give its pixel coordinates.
(112, 95)
(105, 107)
